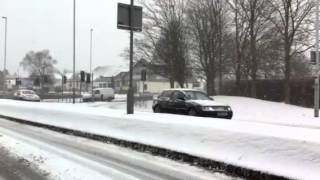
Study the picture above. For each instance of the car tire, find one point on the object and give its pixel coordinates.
(158, 109)
(192, 112)
(109, 99)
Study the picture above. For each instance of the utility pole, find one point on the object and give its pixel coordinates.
(5, 53)
(316, 84)
(91, 31)
(130, 94)
(74, 54)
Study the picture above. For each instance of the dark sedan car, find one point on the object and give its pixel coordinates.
(191, 102)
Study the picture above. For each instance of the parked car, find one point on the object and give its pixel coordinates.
(191, 102)
(26, 95)
(99, 94)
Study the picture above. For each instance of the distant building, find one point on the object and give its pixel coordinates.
(154, 83)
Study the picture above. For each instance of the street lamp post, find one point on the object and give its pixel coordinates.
(316, 87)
(91, 31)
(130, 94)
(74, 53)
(5, 52)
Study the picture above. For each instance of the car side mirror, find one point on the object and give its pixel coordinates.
(181, 98)
(211, 98)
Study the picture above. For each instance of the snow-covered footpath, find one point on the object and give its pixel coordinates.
(278, 147)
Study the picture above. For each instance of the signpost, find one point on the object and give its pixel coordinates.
(124, 17)
(130, 18)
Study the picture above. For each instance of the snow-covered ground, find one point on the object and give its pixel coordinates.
(284, 149)
(254, 110)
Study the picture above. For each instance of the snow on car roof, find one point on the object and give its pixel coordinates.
(181, 89)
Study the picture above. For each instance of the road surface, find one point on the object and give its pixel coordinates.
(64, 157)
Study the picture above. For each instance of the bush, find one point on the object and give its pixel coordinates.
(302, 91)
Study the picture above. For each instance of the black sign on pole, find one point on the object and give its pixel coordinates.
(124, 17)
(143, 75)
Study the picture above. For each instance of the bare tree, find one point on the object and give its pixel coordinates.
(290, 18)
(207, 21)
(39, 64)
(241, 41)
(163, 42)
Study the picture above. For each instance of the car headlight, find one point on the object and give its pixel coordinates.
(207, 108)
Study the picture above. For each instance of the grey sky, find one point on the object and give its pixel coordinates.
(47, 24)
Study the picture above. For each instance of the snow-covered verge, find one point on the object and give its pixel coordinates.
(255, 110)
(282, 150)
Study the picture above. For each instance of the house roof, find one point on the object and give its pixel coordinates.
(108, 71)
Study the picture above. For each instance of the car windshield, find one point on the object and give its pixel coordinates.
(196, 95)
(28, 92)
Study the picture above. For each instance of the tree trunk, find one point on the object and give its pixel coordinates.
(238, 55)
(287, 90)
(210, 83)
(171, 83)
(220, 54)
(253, 89)
(287, 93)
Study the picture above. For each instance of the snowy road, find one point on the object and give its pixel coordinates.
(16, 168)
(56, 156)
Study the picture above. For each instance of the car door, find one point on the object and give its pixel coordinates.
(177, 102)
(164, 99)
(97, 94)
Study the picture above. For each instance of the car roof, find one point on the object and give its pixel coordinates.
(182, 89)
(101, 88)
(25, 90)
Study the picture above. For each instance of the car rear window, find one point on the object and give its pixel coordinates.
(28, 92)
(166, 94)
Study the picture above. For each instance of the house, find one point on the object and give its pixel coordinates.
(103, 82)
(154, 83)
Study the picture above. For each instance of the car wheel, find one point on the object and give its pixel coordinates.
(192, 112)
(109, 99)
(158, 109)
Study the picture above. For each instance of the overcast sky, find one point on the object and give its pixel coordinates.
(47, 24)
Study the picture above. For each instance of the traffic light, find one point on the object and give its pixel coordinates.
(18, 82)
(143, 75)
(82, 76)
(64, 79)
(88, 78)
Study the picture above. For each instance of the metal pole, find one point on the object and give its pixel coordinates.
(316, 87)
(5, 54)
(74, 53)
(62, 86)
(91, 31)
(130, 95)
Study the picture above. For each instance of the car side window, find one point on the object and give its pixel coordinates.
(177, 95)
(166, 94)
